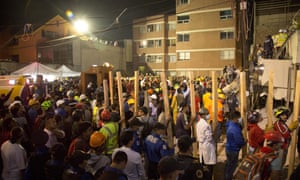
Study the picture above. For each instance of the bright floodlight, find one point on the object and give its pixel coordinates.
(81, 26)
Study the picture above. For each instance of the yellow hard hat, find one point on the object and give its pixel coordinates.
(97, 139)
(221, 96)
(130, 101)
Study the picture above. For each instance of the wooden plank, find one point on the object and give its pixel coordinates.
(167, 109)
(295, 119)
(121, 104)
(136, 92)
(243, 109)
(111, 86)
(270, 101)
(193, 109)
(214, 94)
(105, 89)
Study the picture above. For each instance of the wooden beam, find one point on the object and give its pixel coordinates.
(136, 92)
(167, 109)
(105, 90)
(270, 101)
(295, 119)
(111, 87)
(121, 102)
(243, 107)
(214, 94)
(193, 109)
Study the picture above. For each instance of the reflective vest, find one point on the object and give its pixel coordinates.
(281, 37)
(110, 130)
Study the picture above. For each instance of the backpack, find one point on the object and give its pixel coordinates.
(251, 167)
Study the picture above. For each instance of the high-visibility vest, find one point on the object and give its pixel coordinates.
(281, 37)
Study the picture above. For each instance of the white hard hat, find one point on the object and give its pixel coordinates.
(82, 97)
(153, 96)
(59, 102)
(280, 30)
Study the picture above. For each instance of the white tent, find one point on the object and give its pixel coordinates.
(36, 68)
(64, 71)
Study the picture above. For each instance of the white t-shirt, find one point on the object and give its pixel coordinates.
(14, 160)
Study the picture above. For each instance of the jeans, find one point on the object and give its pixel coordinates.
(231, 164)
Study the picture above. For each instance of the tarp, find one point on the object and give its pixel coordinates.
(36, 68)
(64, 71)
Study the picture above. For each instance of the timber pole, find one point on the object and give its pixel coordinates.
(121, 102)
(243, 110)
(295, 119)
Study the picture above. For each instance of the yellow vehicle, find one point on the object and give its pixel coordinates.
(18, 86)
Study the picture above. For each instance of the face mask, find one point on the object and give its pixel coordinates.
(207, 117)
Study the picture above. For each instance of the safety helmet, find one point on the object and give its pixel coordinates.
(70, 93)
(219, 91)
(131, 101)
(253, 116)
(221, 96)
(153, 96)
(274, 136)
(97, 139)
(150, 91)
(82, 97)
(105, 115)
(203, 111)
(281, 110)
(46, 105)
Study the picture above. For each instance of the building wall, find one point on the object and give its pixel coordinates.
(26, 48)
(203, 27)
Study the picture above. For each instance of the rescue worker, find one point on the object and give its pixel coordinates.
(155, 149)
(282, 114)
(268, 47)
(256, 134)
(272, 166)
(98, 161)
(280, 39)
(110, 130)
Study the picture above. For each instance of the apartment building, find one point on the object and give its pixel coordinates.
(200, 37)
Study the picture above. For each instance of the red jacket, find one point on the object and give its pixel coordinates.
(255, 136)
(284, 130)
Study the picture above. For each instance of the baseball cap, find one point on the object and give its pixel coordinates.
(169, 164)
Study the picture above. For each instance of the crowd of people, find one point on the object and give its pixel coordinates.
(69, 135)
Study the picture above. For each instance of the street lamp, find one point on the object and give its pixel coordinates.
(81, 26)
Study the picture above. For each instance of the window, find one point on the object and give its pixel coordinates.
(183, 56)
(171, 27)
(227, 54)
(142, 29)
(171, 58)
(142, 44)
(226, 35)
(182, 2)
(183, 37)
(183, 19)
(157, 43)
(154, 59)
(153, 27)
(50, 34)
(227, 14)
(171, 42)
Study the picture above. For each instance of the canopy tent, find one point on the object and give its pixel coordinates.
(64, 71)
(36, 68)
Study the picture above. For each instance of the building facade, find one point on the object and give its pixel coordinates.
(200, 37)
(56, 42)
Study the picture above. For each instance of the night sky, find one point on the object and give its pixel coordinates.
(99, 13)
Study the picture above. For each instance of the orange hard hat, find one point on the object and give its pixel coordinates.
(97, 139)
